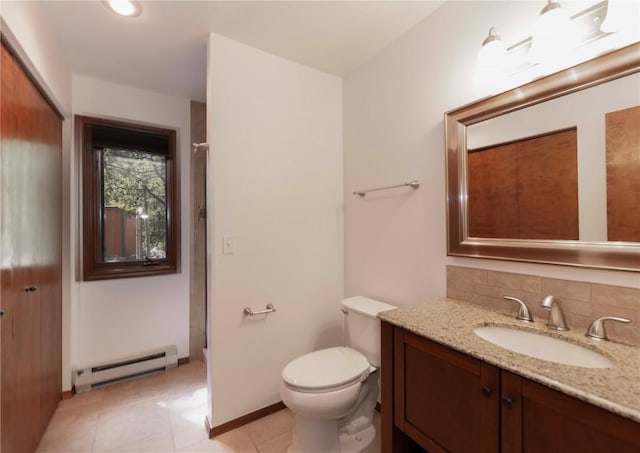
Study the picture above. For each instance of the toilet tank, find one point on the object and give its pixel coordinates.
(362, 328)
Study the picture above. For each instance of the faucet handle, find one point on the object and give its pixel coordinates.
(523, 312)
(596, 329)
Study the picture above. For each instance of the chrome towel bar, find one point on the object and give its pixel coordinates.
(412, 184)
(268, 309)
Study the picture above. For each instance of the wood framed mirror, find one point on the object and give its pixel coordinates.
(588, 250)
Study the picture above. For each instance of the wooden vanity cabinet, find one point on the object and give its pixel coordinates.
(446, 401)
(538, 419)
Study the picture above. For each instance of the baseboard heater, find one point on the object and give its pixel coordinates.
(103, 374)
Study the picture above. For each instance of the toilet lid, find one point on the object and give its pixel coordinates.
(326, 368)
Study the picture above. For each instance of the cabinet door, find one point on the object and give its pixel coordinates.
(537, 419)
(444, 400)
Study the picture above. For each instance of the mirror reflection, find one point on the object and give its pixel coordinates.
(597, 102)
(564, 169)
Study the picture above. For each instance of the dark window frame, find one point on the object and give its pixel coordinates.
(147, 138)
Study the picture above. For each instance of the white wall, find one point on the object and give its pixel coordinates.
(115, 318)
(25, 25)
(395, 242)
(275, 185)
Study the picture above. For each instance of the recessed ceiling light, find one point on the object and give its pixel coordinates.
(129, 8)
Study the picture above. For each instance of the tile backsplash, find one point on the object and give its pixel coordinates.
(582, 302)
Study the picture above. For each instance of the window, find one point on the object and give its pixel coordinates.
(130, 218)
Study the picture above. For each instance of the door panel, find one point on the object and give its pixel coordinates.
(30, 166)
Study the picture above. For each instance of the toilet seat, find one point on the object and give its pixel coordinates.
(326, 370)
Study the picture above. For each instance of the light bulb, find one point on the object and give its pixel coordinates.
(492, 62)
(616, 18)
(554, 34)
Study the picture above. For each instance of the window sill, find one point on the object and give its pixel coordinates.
(121, 270)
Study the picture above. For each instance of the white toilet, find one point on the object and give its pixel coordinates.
(333, 392)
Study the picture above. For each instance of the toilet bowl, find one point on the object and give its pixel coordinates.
(332, 392)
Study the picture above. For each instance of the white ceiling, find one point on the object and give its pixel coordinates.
(164, 49)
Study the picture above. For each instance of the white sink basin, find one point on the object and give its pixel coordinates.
(542, 347)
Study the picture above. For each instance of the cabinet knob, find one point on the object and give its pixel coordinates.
(487, 391)
(508, 401)
(30, 289)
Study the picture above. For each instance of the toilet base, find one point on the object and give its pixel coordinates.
(314, 436)
(322, 436)
(357, 442)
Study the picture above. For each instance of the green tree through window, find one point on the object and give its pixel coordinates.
(135, 183)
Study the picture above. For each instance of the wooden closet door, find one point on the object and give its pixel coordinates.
(623, 174)
(493, 192)
(49, 263)
(30, 165)
(548, 186)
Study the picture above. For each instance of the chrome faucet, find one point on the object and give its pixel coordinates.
(523, 312)
(597, 331)
(557, 320)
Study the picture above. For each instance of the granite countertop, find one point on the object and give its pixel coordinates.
(451, 323)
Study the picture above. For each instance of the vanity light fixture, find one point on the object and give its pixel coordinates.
(128, 8)
(554, 33)
(616, 17)
(493, 59)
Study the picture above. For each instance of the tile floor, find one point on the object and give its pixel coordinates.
(160, 413)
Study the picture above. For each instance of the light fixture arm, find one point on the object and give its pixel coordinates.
(550, 6)
(493, 36)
